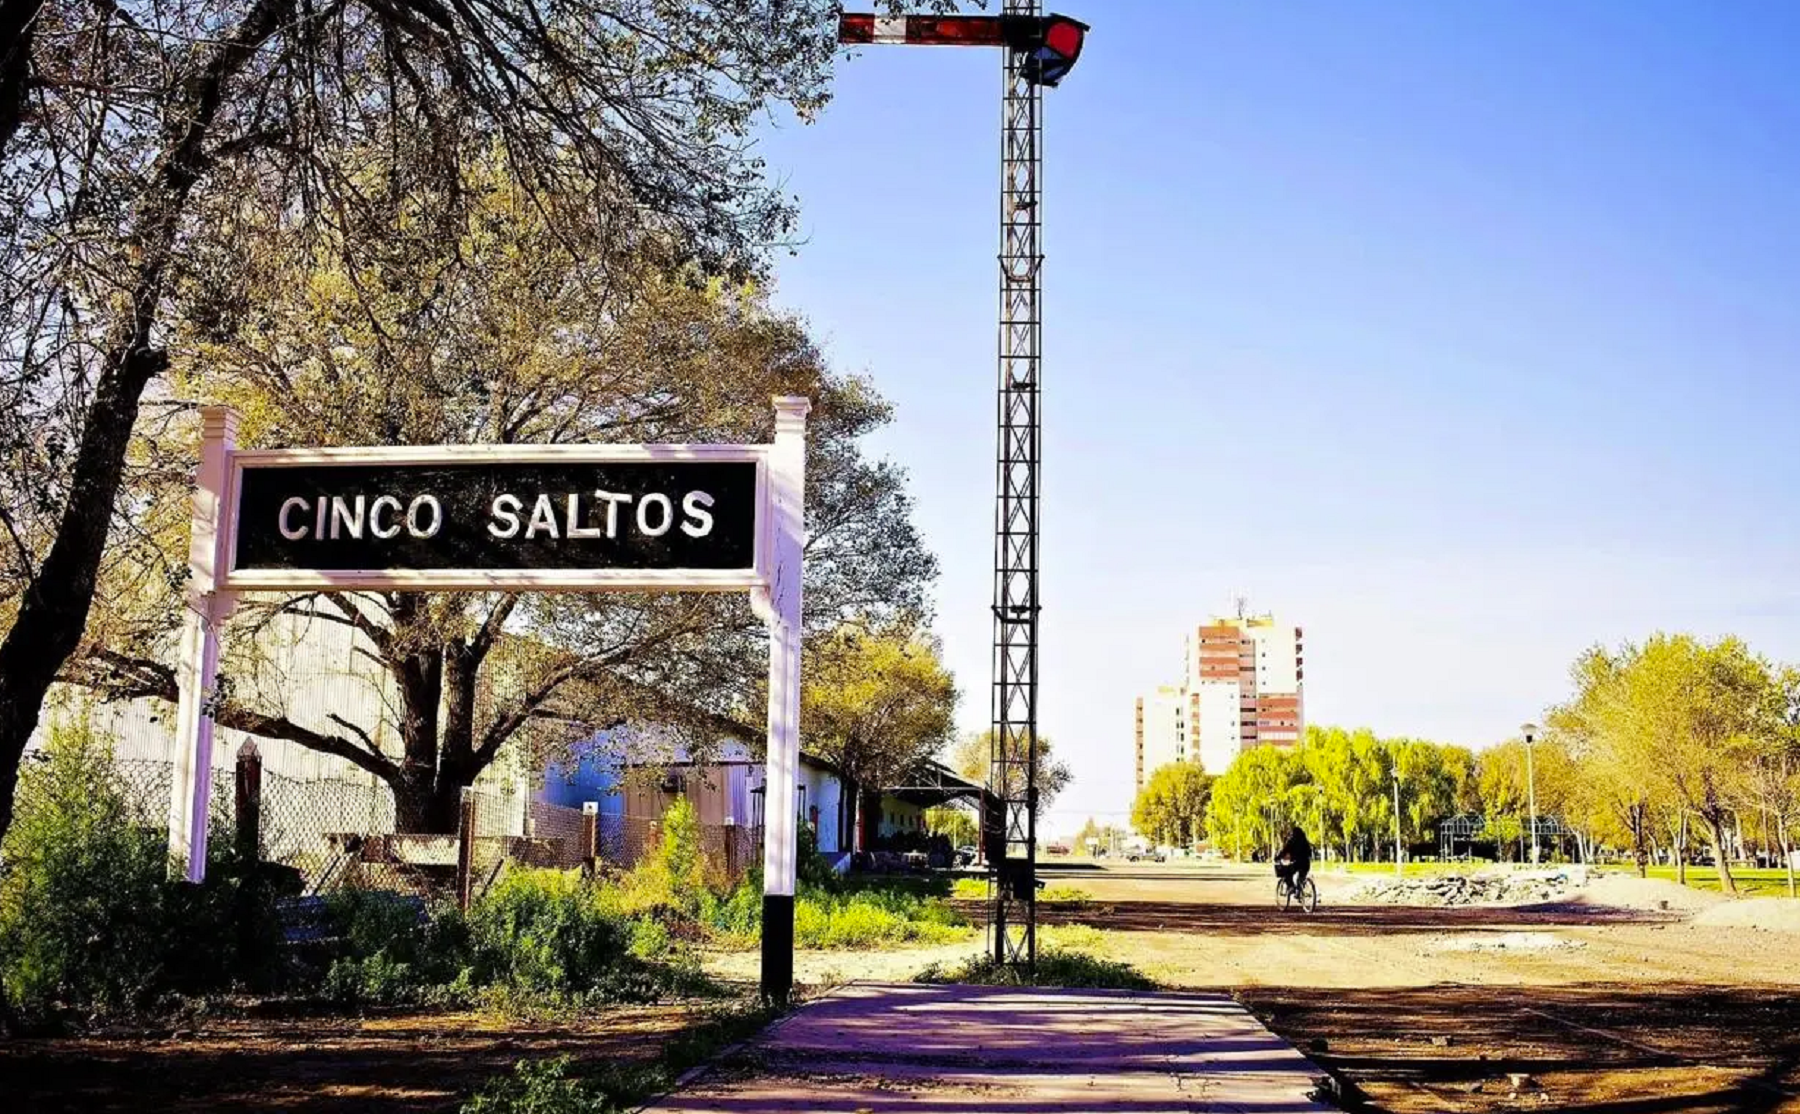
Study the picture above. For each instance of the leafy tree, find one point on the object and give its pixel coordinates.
(876, 701)
(1171, 808)
(972, 756)
(1689, 718)
(1248, 809)
(539, 354)
(136, 137)
(958, 825)
(1772, 778)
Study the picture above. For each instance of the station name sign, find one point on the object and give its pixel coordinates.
(481, 517)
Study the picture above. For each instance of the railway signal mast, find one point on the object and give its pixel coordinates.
(1038, 52)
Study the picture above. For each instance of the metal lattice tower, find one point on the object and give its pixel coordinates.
(1036, 52)
(1013, 920)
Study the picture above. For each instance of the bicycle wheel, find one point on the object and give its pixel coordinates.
(1309, 900)
(1284, 893)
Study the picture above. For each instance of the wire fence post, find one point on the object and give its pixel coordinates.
(465, 852)
(249, 805)
(590, 837)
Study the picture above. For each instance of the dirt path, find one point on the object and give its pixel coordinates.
(1593, 1008)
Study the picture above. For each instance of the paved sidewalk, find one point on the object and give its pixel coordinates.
(875, 1049)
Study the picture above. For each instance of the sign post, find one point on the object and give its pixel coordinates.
(504, 518)
(779, 605)
(208, 605)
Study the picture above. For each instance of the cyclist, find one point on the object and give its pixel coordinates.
(1294, 862)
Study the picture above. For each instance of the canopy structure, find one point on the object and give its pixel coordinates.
(931, 784)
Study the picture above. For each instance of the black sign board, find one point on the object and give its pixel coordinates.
(644, 515)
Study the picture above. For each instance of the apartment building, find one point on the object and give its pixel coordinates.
(1242, 687)
(1161, 730)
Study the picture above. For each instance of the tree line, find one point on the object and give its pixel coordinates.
(1658, 743)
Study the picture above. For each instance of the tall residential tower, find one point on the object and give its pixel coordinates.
(1242, 688)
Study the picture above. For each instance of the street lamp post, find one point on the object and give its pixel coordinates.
(1530, 731)
(1399, 870)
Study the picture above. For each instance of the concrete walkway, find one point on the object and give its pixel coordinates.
(875, 1049)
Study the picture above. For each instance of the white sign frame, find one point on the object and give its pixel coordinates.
(774, 584)
(502, 580)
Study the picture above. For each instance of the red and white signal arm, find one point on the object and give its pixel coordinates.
(1049, 44)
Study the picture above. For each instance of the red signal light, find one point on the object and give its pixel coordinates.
(1050, 46)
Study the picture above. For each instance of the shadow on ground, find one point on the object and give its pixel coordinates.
(1329, 920)
(393, 1064)
(1594, 1049)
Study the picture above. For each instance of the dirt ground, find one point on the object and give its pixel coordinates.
(1602, 1008)
(1604, 1002)
(398, 1063)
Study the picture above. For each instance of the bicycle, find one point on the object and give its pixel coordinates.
(1307, 895)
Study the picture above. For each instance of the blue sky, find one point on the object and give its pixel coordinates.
(1462, 335)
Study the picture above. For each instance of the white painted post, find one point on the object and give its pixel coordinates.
(208, 607)
(779, 606)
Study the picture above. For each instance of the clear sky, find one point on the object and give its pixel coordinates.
(1462, 335)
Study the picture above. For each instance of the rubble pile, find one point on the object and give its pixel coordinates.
(1481, 888)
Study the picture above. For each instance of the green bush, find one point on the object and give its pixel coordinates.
(90, 921)
(390, 955)
(538, 1087)
(868, 917)
(1055, 967)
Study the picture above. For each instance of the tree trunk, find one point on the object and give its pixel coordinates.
(1720, 831)
(1787, 853)
(1640, 848)
(53, 609)
(1681, 850)
(18, 27)
(427, 808)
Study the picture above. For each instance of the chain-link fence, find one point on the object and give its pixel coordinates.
(335, 834)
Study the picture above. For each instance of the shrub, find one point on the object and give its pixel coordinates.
(811, 868)
(392, 955)
(536, 1087)
(738, 918)
(857, 920)
(1055, 967)
(90, 921)
(549, 932)
(545, 930)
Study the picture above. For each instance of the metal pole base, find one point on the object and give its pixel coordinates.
(777, 949)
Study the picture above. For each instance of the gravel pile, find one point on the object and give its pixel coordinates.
(1484, 888)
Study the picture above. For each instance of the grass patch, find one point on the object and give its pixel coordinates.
(1750, 883)
(976, 889)
(1055, 967)
(561, 1086)
(970, 889)
(1072, 938)
(868, 917)
(848, 914)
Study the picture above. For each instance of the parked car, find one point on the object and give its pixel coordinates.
(1058, 849)
(965, 856)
